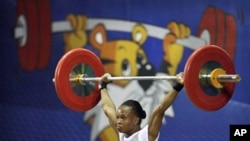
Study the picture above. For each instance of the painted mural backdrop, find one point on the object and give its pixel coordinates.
(132, 38)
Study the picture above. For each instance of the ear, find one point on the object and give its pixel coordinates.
(136, 121)
(139, 34)
(98, 36)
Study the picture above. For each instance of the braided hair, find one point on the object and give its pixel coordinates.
(136, 108)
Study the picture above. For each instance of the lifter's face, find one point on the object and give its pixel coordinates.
(126, 120)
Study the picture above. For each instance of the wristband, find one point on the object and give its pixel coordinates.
(102, 86)
(177, 86)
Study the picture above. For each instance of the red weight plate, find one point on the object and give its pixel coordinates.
(191, 77)
(28, 53)
(230, 39)
(213, 21)
(44, 16)
(220, 28)
(62, 76)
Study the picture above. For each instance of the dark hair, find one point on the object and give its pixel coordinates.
(137, 108)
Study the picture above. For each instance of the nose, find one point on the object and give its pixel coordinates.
(146, 70)
(119, 121)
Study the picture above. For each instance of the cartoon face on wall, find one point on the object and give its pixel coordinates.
(120, 57)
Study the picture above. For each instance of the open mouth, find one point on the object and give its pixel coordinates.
(119, 127)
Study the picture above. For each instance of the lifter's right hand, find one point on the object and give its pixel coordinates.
(105, 78)
(180, 78)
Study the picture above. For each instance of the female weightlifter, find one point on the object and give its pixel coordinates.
(126, 120)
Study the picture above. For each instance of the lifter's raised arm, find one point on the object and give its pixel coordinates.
(108, 105)
(156, 118)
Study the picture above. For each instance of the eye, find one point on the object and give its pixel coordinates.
(126, 68)
(122, 117)
(140, 60)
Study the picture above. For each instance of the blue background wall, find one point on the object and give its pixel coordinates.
(31, 110)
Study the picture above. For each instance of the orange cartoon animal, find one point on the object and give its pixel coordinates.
(122, 57)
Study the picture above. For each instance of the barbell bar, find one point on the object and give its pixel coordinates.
(233, 78)
(34, 31)
(209, 78)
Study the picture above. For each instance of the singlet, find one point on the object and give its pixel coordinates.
(141, 135)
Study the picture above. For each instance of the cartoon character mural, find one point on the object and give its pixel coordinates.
(124, 57)
(127, 57)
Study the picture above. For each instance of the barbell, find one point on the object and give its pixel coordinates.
(209, 78)
(34, 31)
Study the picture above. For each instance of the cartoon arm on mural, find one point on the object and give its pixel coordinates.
(78, 37)
(126, 120)
(173, 51)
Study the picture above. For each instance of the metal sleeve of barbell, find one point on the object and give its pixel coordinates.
(191, 42)
(131, 78)
(229, 78)
(19, 32)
